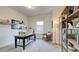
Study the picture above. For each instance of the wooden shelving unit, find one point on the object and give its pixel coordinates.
(74, 15)
(69, 14)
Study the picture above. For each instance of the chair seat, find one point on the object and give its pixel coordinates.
(47, 37)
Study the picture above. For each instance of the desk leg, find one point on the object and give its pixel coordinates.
(23, 44)
(15, 42)
(77, 40)
(34, 37)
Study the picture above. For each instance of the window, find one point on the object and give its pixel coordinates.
(39, 27)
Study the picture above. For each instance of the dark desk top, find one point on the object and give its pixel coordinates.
(24, 36)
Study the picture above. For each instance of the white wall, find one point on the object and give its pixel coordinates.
(56, 25)
(6, 33)
(47, 18)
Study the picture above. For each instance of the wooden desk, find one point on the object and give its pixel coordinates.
(23, 37)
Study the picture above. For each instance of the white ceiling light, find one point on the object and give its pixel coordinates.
(29, 6)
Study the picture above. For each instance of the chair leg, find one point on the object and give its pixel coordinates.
(23, 44)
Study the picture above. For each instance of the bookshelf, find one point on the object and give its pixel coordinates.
(68, 14)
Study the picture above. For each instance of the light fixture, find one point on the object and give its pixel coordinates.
(29, 6)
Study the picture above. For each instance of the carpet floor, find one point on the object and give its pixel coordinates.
(36, 46)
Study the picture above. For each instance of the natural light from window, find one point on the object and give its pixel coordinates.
(40, 23)
(39, 27)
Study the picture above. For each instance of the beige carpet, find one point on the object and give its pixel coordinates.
(36, 46)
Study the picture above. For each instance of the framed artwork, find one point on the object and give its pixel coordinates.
(16, 24)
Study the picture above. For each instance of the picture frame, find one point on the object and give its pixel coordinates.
(16, 24)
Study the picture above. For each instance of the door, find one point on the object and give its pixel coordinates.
(39, 29)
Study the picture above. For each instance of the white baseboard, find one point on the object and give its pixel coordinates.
(6, 44)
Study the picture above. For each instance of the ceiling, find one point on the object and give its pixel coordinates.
(36, 10)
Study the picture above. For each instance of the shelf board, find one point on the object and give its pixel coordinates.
(73, 41)
(65, 11)
(74, 15)
(70, 49)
